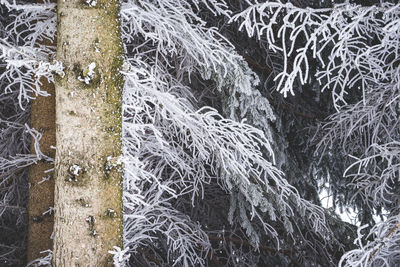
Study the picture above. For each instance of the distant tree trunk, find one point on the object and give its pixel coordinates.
(88, 194)
(41, 190)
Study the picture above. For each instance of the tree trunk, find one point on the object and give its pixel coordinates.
(88, 194)
(41, 190)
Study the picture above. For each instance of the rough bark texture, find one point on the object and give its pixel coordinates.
(41, 193)
(88, 195)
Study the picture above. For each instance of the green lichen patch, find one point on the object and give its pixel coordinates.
(110, 213)
(89, 76)
(58, 78)
(112, 164)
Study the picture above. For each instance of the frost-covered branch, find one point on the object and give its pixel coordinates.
(175, 30)
(24, 59)
(26, 64)
(338, 38)
(368, 131)
(178, 149)
(381, 249)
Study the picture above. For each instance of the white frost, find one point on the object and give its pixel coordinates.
(75, 170)
(91, 3)
(88, 74)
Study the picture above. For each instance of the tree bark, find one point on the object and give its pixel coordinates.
(88, 194)
(41, 190)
